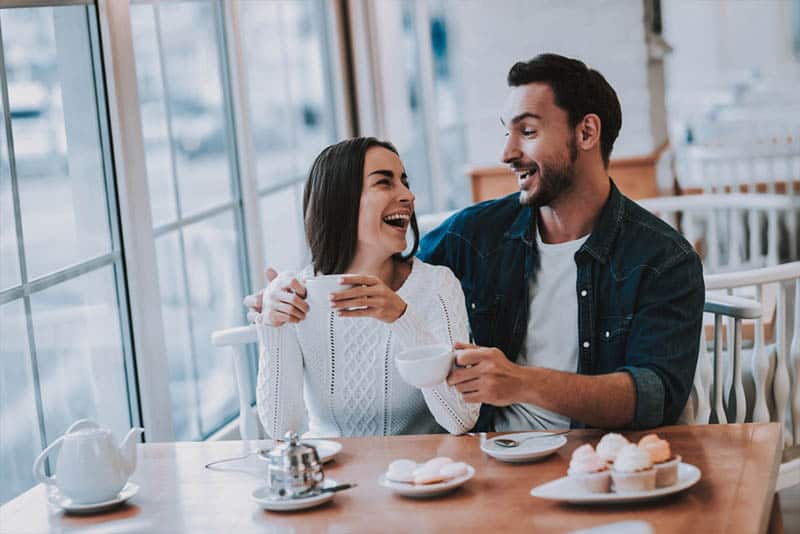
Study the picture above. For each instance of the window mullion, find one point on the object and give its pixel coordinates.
(141, 267)
(23, 269)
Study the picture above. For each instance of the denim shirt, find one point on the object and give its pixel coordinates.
(639, 289)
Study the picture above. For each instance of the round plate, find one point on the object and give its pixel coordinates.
(327, 449)
(72, 507)
(531, 450)
(262, 496)
(563, 489)
(425, 490)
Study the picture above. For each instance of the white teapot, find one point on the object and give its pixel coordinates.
(91, 468)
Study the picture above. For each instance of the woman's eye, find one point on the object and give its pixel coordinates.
(528, 132)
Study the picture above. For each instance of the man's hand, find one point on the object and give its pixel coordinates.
(486, 375)
(282, 301)
(373, 297)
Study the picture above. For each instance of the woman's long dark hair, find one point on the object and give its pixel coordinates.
(331, 202)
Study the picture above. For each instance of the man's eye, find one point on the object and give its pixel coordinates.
(527, 132)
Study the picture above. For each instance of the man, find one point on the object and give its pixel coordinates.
(585, 309)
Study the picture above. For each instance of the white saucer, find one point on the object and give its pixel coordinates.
(72, 507)
(563, 489)
(262, 496)
(528, 451)
(326, 449)
(426, 490)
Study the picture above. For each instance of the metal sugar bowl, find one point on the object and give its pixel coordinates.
(294, 469)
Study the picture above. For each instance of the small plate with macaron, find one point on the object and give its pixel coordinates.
(428, 479)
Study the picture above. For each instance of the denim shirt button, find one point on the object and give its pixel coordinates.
(584, 293)
(608, 334)
(585, 344)
(473, 305)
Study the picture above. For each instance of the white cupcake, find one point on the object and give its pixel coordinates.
(588, 471)
(633, 470)
(610, 445)
(665, 463)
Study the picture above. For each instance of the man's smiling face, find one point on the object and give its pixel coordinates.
(540, 145)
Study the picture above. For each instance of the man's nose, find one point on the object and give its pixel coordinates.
(511, 150)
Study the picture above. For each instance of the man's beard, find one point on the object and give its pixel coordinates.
(554, 179)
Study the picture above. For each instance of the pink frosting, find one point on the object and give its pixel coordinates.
(657, 448)
(585, 460)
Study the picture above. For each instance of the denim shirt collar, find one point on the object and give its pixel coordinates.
(603, 234)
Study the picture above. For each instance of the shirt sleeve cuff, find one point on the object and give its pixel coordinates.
(649, 397)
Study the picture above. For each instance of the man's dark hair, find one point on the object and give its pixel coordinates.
(578, 90)
(331, 202)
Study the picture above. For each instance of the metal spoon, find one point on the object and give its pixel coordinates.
(509, 443)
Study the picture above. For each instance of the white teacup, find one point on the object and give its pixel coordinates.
(426, 365)
(319, 288)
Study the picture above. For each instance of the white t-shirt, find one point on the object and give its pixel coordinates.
(552, 338)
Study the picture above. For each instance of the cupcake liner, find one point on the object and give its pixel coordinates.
(667, 472)
(637, 481)
(599, 482)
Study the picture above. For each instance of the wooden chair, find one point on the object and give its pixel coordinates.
(759, 384)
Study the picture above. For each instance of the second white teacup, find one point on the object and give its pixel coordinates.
(426, 365)
(319, 288)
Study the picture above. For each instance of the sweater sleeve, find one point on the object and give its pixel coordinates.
(279, 391)
(446, 322)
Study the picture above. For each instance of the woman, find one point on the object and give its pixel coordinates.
(332, 373)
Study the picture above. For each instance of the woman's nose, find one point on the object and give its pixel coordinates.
(406, 195)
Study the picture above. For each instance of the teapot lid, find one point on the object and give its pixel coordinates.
(291, 452)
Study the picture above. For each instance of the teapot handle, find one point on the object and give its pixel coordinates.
(38, 465)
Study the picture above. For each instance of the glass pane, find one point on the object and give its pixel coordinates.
(19, 425)
(56, 137)
(405, 126)
(292, 113)
(282, 223)
(154, 115)
(9, 257)
(191, 57)
(216, 296)
(175, 311)
(79, 353)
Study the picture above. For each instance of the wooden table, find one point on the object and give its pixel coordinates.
(739, 465)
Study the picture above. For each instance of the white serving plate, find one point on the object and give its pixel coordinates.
(531, 450)
(426, 490)
(262, 496)
(129, 490)
(326, 449)
(563, 489)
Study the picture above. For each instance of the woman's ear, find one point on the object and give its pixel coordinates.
(588, 132)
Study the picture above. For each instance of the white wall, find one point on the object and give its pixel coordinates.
(717, 44)
(608, 35)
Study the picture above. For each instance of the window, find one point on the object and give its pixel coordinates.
(292, 113)
(418, 99)
(64, 332)
(193, 178)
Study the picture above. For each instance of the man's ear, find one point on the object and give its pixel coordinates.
(588, 132)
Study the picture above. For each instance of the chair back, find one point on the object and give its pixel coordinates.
(235, 339)
(759, 384)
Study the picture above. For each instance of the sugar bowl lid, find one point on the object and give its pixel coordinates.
(290, 453)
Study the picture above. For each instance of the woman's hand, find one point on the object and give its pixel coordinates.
(282, 301)
(373, 298)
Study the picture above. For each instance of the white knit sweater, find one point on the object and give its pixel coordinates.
(331, 376)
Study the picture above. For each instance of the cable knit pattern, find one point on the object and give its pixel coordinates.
(336, 376)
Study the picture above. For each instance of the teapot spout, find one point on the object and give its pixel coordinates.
(127, 449)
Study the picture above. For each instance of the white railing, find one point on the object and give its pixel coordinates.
(733, 231)
(730, 388)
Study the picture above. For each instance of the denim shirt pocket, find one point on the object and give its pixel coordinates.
(483, 319)
(613, 330)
